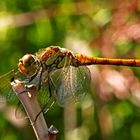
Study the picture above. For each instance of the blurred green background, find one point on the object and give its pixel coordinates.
(105, 28)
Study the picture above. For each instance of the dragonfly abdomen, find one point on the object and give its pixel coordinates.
(87, 60)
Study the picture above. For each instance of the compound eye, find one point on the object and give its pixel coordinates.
(27, 60)
(27, 64)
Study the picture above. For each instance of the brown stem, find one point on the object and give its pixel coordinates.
(32, 107)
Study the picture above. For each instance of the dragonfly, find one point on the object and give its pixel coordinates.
(58, 73)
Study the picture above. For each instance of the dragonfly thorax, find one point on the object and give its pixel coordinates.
(55, 57)
(27, 64)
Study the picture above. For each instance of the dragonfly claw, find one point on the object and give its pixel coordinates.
(27, 88)
(31, 88)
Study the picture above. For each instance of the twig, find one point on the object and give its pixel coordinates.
(32, 107)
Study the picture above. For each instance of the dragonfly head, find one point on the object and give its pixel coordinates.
(27, 64)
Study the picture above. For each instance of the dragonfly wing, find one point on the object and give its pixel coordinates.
(70, 83)
(81, 79)
(61, 91)
(5, 88)
(6, 91)
(43, 95)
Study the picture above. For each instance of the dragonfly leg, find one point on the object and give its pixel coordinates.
(38, 72)
(38, 85)
(47, 80)
(33, 76)
(40, 79)
(49, 88)
(44, 110)
(31, 88)
(50, 84)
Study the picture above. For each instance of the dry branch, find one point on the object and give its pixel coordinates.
(28, 98)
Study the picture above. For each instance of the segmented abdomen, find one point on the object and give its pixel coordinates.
(87, 60)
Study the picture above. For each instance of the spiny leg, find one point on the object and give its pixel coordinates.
(50, 83)
(43, 109)
(39, 73)
(33, 76)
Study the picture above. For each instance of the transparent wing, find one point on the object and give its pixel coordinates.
(70, 83)
(44, 95)
(5, 86)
